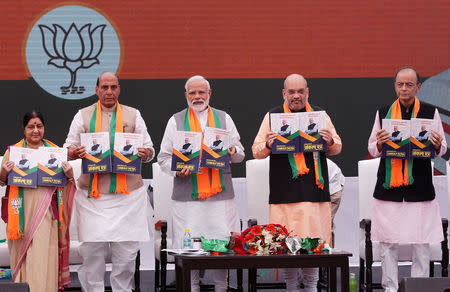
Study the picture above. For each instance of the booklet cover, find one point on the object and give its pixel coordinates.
(398, 145)
(98, 154)
(24, 172)
(421, 146)
(186, 151)
(125, 158)
(286, 126)
(50, 172)
(310, 124)
(215, 148)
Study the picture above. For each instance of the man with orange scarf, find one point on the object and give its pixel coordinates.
(299, 193)
(112, 209)
(404, 193)
(203, 202)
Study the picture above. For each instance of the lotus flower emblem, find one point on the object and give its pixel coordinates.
(73, 49)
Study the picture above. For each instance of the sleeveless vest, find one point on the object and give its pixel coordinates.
(134, 181)
(284, 189)
(182, 187)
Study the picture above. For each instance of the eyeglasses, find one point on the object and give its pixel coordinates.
(106, 87)
(408, 84)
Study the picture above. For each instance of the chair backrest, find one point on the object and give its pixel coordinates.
(2, 224)
(367, 178)
(162, 192)
(447, 163)
(257, 172)
(73, 231)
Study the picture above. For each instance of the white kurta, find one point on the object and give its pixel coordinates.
(211, 219)
(112, 217)
(405, 222)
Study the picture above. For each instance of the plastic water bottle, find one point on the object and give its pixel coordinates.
(353, 285)
(187, 241)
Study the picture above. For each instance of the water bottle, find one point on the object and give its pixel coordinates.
(187, 242)
(353, 285)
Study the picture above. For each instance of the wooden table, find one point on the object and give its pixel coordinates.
(185, 263)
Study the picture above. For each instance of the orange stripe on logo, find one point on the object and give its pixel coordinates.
(307, 137)
(19, 171)
(45, 169)
(417, 142)
(121, 157)
(212, 153)
(282, 139)
(181, 156)
(92, 158)
(392, 144)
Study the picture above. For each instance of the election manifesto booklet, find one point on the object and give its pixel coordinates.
(398, 145)
(98, 153)
(50, 172)
(421, 146)
(186, 151)
(24, 172)
(215, 148)
(125, 158)
(286, 126)
(310, 124)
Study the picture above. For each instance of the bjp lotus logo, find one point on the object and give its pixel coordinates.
(68, 48)
(73, 49)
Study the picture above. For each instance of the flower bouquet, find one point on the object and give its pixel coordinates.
(262, 240)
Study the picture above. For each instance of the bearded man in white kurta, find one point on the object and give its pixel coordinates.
(112, 209)
(214, 215)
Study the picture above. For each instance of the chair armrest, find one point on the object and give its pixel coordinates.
(252, 222)
(444, 248)
(365, 224)
(161, 226)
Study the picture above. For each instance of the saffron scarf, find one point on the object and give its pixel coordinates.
(16, 203)
(297, 160)
(118, 180)
(202, 187)
(398, 172)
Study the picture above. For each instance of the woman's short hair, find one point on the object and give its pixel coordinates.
(31, 115)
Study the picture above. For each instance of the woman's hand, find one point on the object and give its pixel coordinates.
(68, 170)
(7, 167)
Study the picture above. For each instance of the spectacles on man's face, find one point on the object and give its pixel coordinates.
(407, 84)
(106, 87)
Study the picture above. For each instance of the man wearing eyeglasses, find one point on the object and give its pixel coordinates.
(112, 209)
(404, 209)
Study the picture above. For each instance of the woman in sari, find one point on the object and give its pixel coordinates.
(38, 220)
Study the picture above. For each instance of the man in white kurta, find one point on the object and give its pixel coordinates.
(113, 223)
(406, 214)
(216, 216)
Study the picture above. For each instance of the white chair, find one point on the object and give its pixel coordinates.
(162, 204)
(369, 251)
(74, 255)
(257, 174)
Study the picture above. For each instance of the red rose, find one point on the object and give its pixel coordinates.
(249, 237)
(271, 228)
(252, 249)
(257, 230)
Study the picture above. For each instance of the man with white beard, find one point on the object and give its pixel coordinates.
(203, 202)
